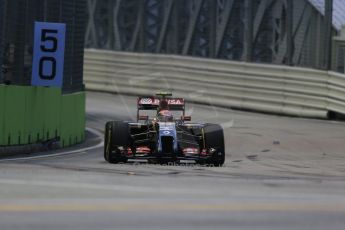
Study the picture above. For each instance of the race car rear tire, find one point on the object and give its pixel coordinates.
(214, 138)
(116, 134)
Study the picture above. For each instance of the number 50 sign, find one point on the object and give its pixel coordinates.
(48, 55)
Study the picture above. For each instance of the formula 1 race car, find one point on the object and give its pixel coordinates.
(163, 138)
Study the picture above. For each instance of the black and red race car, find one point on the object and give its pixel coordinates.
(167, 136)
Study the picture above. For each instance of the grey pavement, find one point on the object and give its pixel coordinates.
(280, 173)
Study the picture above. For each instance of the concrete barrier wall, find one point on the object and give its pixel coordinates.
(31, 115)
(259, 87)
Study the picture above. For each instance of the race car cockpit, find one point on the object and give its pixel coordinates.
(165, 116)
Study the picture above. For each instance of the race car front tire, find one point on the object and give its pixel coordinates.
(115, 135)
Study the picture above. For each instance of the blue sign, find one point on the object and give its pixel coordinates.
(48, 54)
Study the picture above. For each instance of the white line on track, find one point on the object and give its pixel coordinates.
(96, 186)
(61, 153)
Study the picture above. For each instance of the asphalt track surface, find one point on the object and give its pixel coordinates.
(280, 173)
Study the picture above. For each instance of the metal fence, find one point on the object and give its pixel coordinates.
(339, 53)
(17, 19)
(291, 32)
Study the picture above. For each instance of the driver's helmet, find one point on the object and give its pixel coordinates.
(163, 105)
(165, 115)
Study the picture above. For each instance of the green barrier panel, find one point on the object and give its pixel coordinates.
(73, 107)
(81, 119)
(51, 126)
(34, 121)
(67, 120)
(37, 114)
(2, 113)
(14, 110)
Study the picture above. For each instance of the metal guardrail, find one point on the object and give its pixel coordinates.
(259, 87)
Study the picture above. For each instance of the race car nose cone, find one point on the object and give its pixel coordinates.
(167, 129)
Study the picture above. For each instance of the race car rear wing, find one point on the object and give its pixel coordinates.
(152, 103)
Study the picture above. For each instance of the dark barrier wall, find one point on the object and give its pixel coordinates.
(18, 20)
